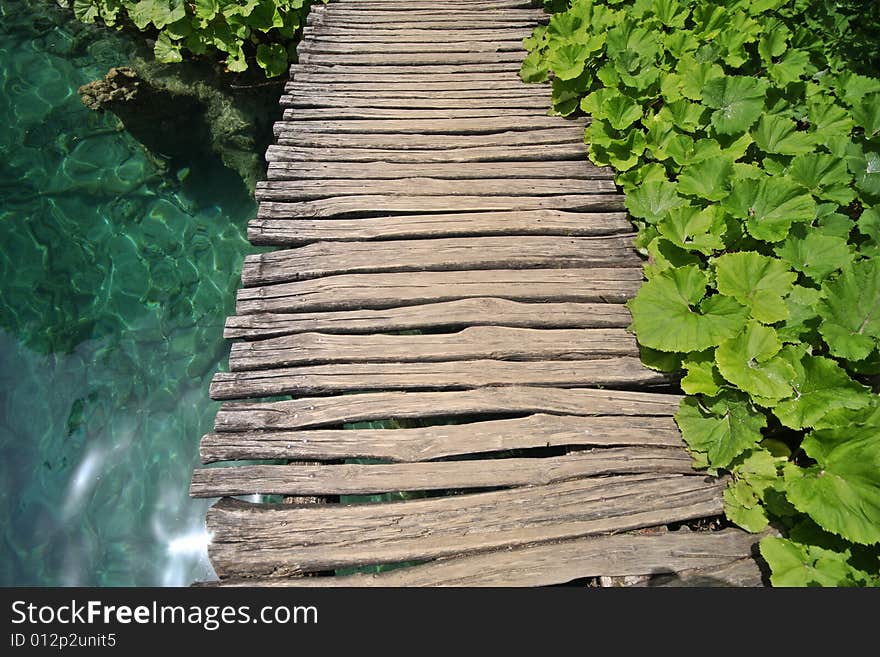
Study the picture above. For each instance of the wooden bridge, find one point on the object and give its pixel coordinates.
(444, 318)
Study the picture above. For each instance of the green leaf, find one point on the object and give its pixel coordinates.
(820, 385)
(272, 58)
(815, 255)
(774, 41)
(622, 154)
(850, 311)
(738, 101)
(825, 176)
(757, 282)
(653, 200)
(867, 115)
(534, 67)
(865, 166)
(743, 507)
(631, 48)
(694, 229)
(708, 180)
(828, 119)
(750, 362)
(695, 76)
(206, 9)
(619, 110)
(796, 565)
(790, 68)
(86, 10)
(567, 93)
(802, 314)
(722, 427)
(165, 50)
(769, 206)
(671, 299)
(702, 376)
(568, 60)
(776, 134)
(670, 13)
(842, 491)
(683, 114)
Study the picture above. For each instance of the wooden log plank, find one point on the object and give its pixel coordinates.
(317, 46)
(414, 6)
(445, 254)
(444, 440)
(284, 232)
(424, 101)
(451, 375)
(439, 126)
(389, 36)
(257, 540)
(329, 411)
(353, 479)
(360, 291)
(535, 138)
(475, 342)
(688, 558)
(510, 69)
(451, 89)
(299, 190)
(330, 170)
(449, 314)
(334, 11)
(538, 152)
(376, 204)
(409, 59)
(396, 113)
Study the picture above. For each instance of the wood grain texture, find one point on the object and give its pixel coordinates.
(458, 100)
(540, 152)
(481, 473)
(330, 170)
(409, 59)
(475, 342)
(253, 540)
(385, 113)
(295, 232)
(522, 400)
(443, 440)
(382, 204)
(359, 291)
(442, 254)
(509, 69)
(410, 46)
(444, 315)
(410, 141)
(441, 126)
(612, 372)
(683, 558)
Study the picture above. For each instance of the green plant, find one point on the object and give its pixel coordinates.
(749, 150)
(232, 29)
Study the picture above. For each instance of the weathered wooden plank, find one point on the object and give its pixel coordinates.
(352, 479)
(338, 46)
(329, 170)
(329, 411)
(284, 540)
(445, 254)
(350, 291)
(448, 375)
(415, 6)
(388, 36)
(431, 141)
(449, 314)
(475, 342)
(684, 558)
(408, 59)
(444, 440)
(365, 100)
(335, 10)
(451, 89)
(353, 205)
(538, 152)
(396, 113)
(298, 190)
(509, 68)
(439, 126)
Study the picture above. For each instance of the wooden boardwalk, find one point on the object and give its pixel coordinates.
(451, 264)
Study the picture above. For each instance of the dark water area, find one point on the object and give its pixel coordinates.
(116, 275)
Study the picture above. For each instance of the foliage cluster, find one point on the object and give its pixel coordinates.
(234, 30)
(749, 150)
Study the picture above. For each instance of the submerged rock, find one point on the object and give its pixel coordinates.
(120, 85)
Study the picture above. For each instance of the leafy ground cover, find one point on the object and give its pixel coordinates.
(746, 135)
(239, 31)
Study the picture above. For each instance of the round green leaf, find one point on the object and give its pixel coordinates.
(757, 282)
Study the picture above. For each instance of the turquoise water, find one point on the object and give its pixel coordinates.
(115, 279)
